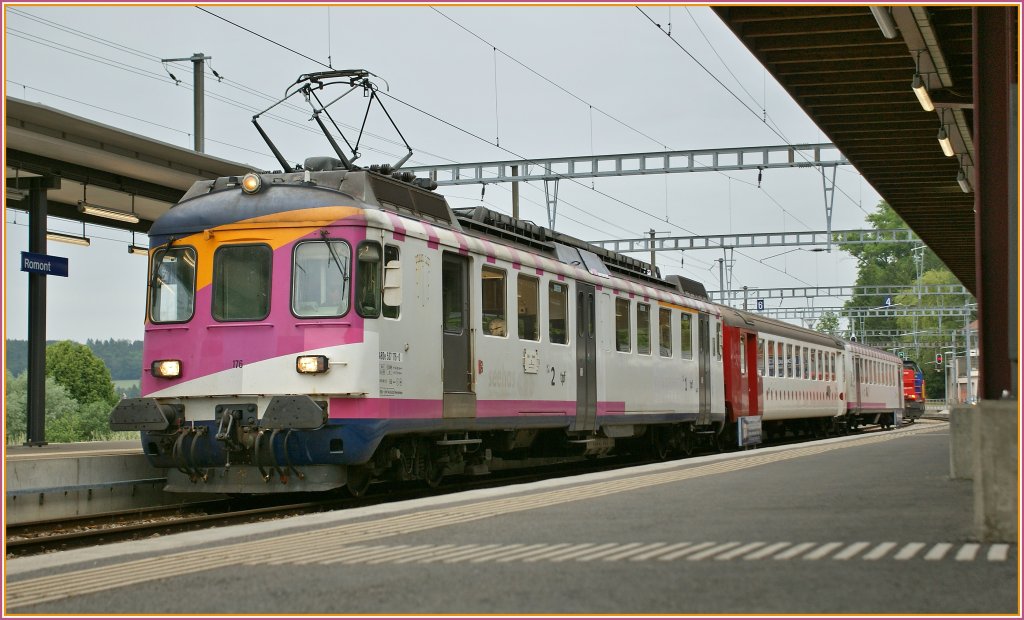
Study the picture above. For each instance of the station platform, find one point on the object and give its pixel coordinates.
(61, 480)
(865, 524)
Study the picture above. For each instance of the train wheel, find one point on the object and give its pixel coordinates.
(686, 442)
(659, 444)
(434, 470)
(358, 481)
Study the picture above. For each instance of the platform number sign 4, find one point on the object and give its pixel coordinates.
(760, 305)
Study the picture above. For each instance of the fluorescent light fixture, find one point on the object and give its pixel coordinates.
(64, 238)
(89, 209)
(961, 178)
(885, 22)
(922, 93)
(14, 193)
(138, 249)
(947, 146)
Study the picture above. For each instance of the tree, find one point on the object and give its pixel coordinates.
(84, 375)
(60, 408)
(828, 323)
(886, 264)
(903, 264)
(122, 357)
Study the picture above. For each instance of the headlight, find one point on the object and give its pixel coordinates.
(251, 183)
(166, 369)
(311, 364)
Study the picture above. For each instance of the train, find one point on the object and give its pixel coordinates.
(913, 390)
(327, 326)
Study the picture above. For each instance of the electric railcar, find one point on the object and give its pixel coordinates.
(327, 327)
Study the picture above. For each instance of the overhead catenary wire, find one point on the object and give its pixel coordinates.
(244, 106)
(591, 109)
(770, 126)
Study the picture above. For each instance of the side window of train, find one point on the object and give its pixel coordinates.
(527, 302)
(558, 312)
(622, 331)
(718, 341)
(796, 363)
(368, 280)
(789, 360)
(492, 297)
(320, 278)
(643, 329)
(173, 285)
(241, 282)
(686, 335)
(771, 358)
(743, 354)
(392, 280)
(665, 331)
(760, 357)
(806, 359)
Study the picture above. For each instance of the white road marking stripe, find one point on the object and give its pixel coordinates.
(506, 550)
(851, 551)
(573, 551)
(390, 556)
(599, 551)
(735, 553)
(908, 551)
(998, 553)
(553, 550)
(938, 552)
(823, 551)
(615, 549)
(879, 552)
(625, 554)
(412, 557)
(968, 552)
(526, 552)
(794, 551)
(659, 551)
(457, 551)
(767, 551)
(354, 556)
(707, 553)
(462, 557)
(683, 552)
(584, 552)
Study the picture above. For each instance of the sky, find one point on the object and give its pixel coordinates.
(463, 84)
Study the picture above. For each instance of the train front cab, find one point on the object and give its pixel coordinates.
(913, 390)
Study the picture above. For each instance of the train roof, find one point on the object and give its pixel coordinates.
(739, 318)
(321, 180)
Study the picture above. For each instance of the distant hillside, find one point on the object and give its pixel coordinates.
(122, 357)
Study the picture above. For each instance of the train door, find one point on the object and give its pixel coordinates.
(704, 369)
(858, 370)
(748, 341)
(459, 400)
(586, 358)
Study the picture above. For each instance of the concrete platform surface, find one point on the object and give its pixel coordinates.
(869, 524)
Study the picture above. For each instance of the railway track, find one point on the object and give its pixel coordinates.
(70, 533)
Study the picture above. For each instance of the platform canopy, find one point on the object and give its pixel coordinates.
(99, 164)
(854, 82)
